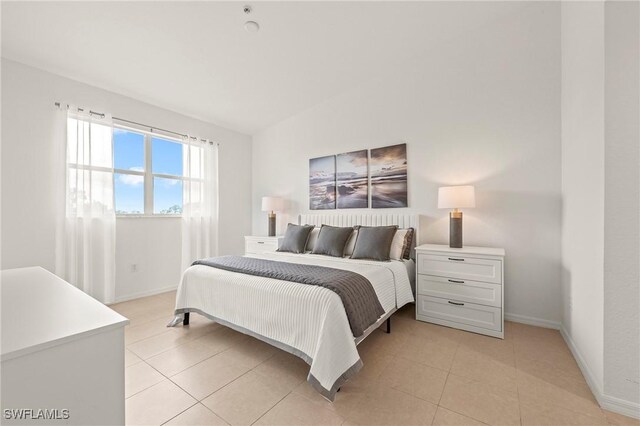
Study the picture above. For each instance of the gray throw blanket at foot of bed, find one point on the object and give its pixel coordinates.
(356, 292)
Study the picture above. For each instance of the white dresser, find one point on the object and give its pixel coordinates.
(257, 245)
(461, 287)
(62, 351)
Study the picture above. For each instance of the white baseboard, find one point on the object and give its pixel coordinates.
(586, 371)
(620, 406)
(607, 402)
(538, 322)
(144, 294)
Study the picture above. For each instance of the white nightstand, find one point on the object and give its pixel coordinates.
(257, 245)
(461, 287)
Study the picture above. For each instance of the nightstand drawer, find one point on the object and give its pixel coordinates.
(460, 290)
(256, 246)
(456, 311)
(463, 267)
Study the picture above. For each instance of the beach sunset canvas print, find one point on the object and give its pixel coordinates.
(322, 183)
(389, 177)
(352, 180)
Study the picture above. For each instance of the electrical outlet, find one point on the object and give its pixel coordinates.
(134, 267)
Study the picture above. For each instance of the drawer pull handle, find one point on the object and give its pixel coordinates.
(456, 259)
(456, 303)
(456, 281)
(260, 242)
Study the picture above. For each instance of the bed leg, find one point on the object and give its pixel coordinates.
(175, 321)
(184, 319)
(389, 325)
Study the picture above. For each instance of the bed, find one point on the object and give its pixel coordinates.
(306, 320)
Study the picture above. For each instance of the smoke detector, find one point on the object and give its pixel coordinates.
(250, 26)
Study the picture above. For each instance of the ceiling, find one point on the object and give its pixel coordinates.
(195, 58)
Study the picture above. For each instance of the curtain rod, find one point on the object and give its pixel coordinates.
(151, 128)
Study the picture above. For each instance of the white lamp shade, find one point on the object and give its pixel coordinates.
(272, 204)
(456, 197)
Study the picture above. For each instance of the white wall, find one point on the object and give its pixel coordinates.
(601, 197)
(622, 203)
(481, 109)
(583, 179)
(28, 229)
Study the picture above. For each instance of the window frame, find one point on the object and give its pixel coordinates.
(148, 175)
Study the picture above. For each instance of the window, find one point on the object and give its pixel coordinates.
(90, 165)
(128, 179)
(148, 175)
(167, 173)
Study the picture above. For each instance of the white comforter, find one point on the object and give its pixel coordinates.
(306, 320)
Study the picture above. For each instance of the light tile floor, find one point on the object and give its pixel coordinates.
(420, 374)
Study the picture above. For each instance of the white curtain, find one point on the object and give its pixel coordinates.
(86, 246)
(200, 201)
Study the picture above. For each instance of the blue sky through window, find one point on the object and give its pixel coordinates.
(128, 150)
(129, 194)
(166, 158)
(128, 154)
(167, 196)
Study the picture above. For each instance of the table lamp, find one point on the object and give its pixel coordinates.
(271, 205)
(456, 197)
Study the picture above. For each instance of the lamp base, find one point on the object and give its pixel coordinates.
(272, 224)
(455, 229)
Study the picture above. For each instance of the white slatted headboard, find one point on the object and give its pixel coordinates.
(365, 219)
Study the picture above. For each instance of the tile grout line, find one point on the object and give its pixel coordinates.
(185, 391)
(274, 406)
(219, 389)
(227, 384)
(187, 409)
(562, 407)
(515, 362)
(448, 373)
(163, 375)
(237, 378)
(148, 387)
(475, 380)
(169, 379)
(145, 338)
(214, 413)
(170, 348)
(197, 363)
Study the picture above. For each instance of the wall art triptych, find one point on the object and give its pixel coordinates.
(344, 181)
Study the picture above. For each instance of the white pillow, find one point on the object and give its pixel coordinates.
(351, 243)
(399, 244)
(313, 237)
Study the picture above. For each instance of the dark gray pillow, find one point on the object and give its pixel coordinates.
(295, 239)
(331, 240)
(374, 242)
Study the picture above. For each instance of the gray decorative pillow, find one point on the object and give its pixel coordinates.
(295, 239)
(331, 240)
(374, 242)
